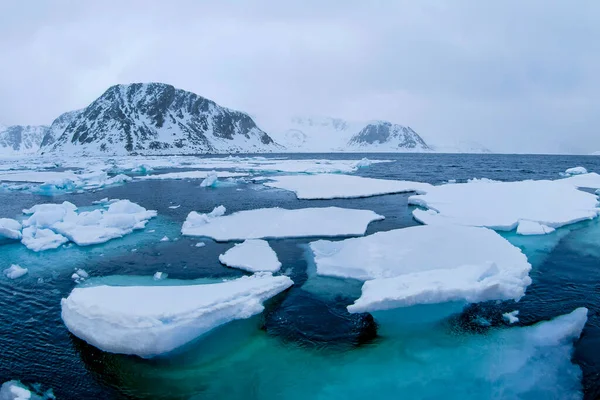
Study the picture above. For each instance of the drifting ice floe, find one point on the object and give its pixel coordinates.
(192, 175)
(210, 180)
(271, 223)
(152, 320)
(425, 265)
(503, 205)
(576, 171)
(10, 229)
(333, 186)
(252, 255)
(511, 317)
(15, 271)
(51, 225)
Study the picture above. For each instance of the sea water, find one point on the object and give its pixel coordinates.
(306, 345)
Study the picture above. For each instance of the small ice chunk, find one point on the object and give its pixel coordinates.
(252, 255)
(200, 244)
(152, 320)
(210, 180)
(15, 271)
(511, 317)
(175, 207)
(10, 229)
(364, 162)
(101, 201)
(266, 223)
(533, 228)
(164, 239)
(576, 171)
(159, 275)
(42, 239)
(334, 186)
(15, 390)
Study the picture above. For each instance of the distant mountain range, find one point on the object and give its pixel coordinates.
(156, 118)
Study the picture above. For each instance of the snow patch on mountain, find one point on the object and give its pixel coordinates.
(21, 139)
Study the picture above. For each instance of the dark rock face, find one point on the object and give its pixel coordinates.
(384, 132)
(157, 118)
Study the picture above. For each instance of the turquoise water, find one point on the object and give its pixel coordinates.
(306, 345)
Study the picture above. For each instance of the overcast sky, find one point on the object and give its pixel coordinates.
(512, 75)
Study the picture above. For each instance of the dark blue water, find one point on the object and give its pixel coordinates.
(35, 347)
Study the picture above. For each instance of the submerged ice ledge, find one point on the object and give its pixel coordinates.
(275, 223)
(152, 320)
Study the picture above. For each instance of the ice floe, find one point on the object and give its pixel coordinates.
(252, 255)
(511, 317)
(152, 320)
(576, 171)
(502, 205)
(532, 228)
(265, 223)
(192, 175)
(15, 271)
(332, 186)
(10, 229)
(51, 225)
(210, 180)
(159, 275)
(15, 390)
(425, 265)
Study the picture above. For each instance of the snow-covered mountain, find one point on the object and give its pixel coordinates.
(58, 127)
(21, 139)
(325, 134)
(155, 118)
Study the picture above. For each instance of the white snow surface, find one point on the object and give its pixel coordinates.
(502, 205)
(425, 265)
(50, 225)
(264, 223)
(152, 320)
(253, 255)
(333, 186)
(15, 271)
(10, 229)
(533, 228)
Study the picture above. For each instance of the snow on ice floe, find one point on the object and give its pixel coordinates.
(253, 255)
(511, 317)
(51, 225)
(533, 228)
(192, 175)
(332, 186)
(153, 320)
(505, 205)
(15, 390)
(10, 229)
(271, 223)
(15, 271)
(426, 265)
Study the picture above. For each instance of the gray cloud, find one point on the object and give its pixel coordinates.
(512, 75)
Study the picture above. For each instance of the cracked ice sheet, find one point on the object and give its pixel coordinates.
(503, 205)
(426, 265)
(272, 223)
(153, 320)
(334, 186)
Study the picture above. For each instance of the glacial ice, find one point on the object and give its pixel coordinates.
(253, 255)
(15, 271)
(502, 205)
(426, 265)
(151, 320)
(50, 225)
(10, 229)
(332, 186)
(265, 223)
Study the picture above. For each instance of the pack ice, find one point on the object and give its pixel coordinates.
(51, 225)
(252, 255)
(153, 320)
(277, 222)
(531, 207)
(10, 229)
(425, 265)
(333, 186)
